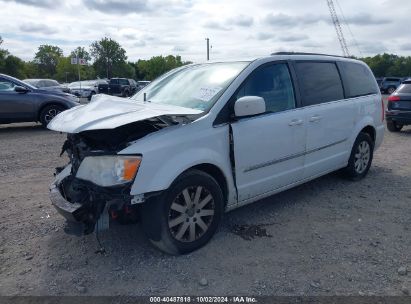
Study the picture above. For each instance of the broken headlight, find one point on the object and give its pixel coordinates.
(109, 170)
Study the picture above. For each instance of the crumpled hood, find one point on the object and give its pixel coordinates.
(109, 112)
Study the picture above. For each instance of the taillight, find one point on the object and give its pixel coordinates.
(393, 98)
(382, 110)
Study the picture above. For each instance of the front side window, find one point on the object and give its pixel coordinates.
(6, 85)
(195, 86)
(359, 81)
(274, 84)
(319, 82)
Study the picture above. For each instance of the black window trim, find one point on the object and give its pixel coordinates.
(344, 76)
(226, 113)
(335, 62)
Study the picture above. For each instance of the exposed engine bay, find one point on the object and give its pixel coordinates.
(92, 203)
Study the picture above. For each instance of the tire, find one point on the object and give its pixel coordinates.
(126, 93)
(175, 228)
(91, 95)
(391, 90)
(48, 113)
(393, 126)
(360, 158)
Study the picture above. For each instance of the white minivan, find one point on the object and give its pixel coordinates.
(207, 138)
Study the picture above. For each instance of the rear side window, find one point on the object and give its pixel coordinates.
(123, 81)
(404, 88)
(319, 82)
(358, 80)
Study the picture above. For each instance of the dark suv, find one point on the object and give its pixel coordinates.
(398, 111)
(119, 87)
(390, 84)
(22, 102)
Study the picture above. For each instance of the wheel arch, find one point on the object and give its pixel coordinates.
(370, 130)
(216, 173)
(51, 103)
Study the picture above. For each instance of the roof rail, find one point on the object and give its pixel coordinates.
(302, 53)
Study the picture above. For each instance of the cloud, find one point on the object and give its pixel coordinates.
(118, 6)
(405, 47)
(216, 26)
(293, 37)
(37, 28)
(283, 20)
(36, 3)
(264, 36)
(366, 19)
(179, 48)
(241, 20)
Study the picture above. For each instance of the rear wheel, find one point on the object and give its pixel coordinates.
(184, 217)
(360, 158)
(48, 113)
(392, 126)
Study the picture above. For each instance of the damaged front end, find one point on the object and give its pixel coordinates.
(95, 186)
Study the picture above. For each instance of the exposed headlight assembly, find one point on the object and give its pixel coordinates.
(109, 170)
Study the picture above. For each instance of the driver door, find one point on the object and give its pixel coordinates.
(15, 107)
(269, 148)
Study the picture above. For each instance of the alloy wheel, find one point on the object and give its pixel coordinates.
(191, 214)
(51, 114)
(362, 157)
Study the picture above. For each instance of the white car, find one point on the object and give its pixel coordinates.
(86, 88)
(208, 138)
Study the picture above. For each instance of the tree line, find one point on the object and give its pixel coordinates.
(109, 60)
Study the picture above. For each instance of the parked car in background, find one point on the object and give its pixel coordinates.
(379, 80)
(214, 137)
(47, 84)
(390, 84)
(119, 87)
(86, 89)
(398, 113)
(22, 102)
(141, 84)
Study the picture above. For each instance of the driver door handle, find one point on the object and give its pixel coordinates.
(295, 122)
(315, 118)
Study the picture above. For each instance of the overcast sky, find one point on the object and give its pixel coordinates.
(236, 28)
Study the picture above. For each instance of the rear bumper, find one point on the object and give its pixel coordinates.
(400, 117)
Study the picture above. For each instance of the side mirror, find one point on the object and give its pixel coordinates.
(249, 106)
(20, 89)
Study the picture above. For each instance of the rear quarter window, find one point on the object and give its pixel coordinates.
(319, 82)
(358, 80)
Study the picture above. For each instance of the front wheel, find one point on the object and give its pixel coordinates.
(186, 216)
(360, 158)
(48, 113)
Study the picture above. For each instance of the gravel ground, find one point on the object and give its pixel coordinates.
(327, 237)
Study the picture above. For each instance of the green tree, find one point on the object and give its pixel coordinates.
(156, 66)
(81, 52)
(108, 56)
(47, 58)
(14, 66)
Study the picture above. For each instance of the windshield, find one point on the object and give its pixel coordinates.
(195, 86)
(83, 83)
(31, 82)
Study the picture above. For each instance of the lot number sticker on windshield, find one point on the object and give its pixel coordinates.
(206, 93)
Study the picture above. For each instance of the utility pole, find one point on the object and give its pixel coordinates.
(208, 48)
(78, 68)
